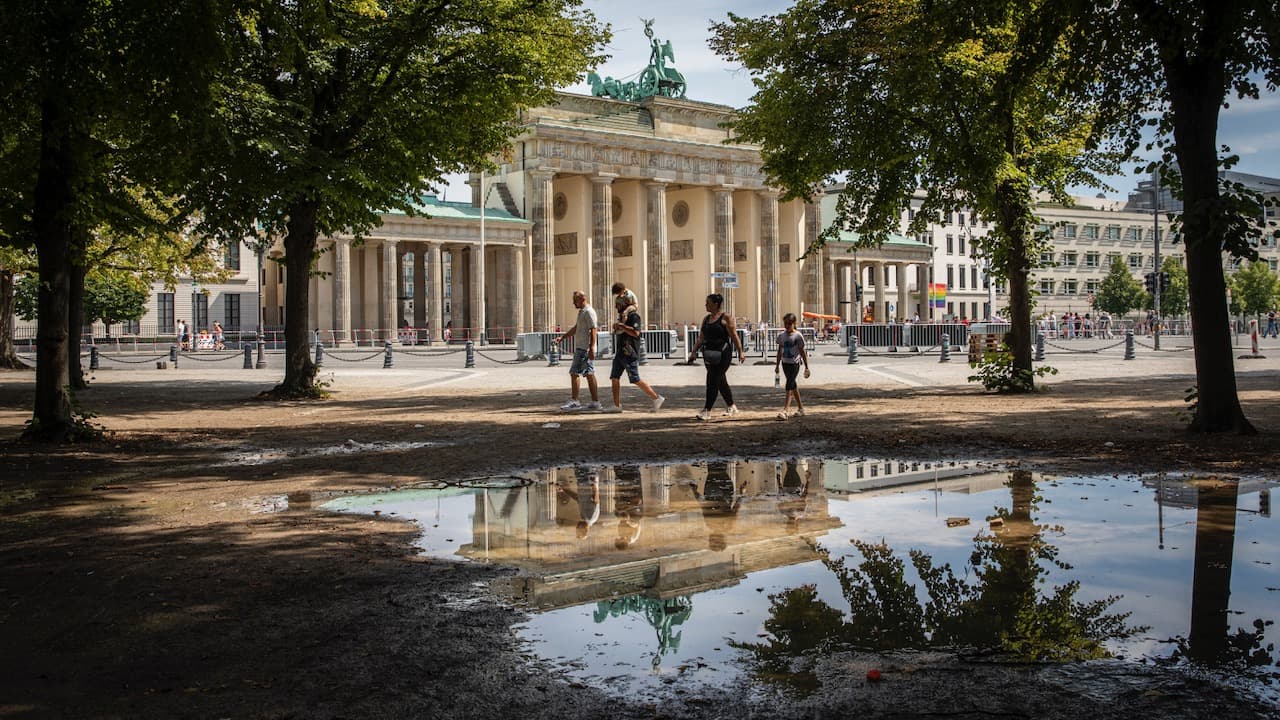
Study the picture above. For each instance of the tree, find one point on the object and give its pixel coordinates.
(1119, 292)
(335, 112)
(978, 103)
(12, 262)
(95, 92)
(1173, 296)
(1201, 51)
(1255, 288)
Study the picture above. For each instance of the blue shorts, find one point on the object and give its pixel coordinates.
(582, 365)
(630, 364)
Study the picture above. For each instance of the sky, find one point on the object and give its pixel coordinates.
(1250, 128)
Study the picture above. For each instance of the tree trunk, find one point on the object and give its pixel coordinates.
(8, 355)
(75, 310)
(299, 370)
(51, 220)
(1195, 95)
(1014, 206)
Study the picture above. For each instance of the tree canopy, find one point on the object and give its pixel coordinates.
(977, 103)
(1119, 293)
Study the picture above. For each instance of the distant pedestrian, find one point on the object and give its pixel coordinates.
(717, 340)
(1271, 330)
(791, 353)
(184, 340)
(584, 334)
(626, 355)
(219, 336)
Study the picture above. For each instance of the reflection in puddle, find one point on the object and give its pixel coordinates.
(264, 456)
(643, 576)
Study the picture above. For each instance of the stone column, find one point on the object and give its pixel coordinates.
(813, 272)
(724, 239)
(922, 291)
(459, 265)
(390, 293)
(903, 312)
(830, 300)
(517, 289)
(540, 194)
(769, 275)
(880, 314)
(435, 294)
(658, 255)
(602, 275)
(342, 290)
(420, 286)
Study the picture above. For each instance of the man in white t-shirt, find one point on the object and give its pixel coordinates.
(584, 334)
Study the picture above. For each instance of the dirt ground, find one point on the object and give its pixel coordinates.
(135, 582)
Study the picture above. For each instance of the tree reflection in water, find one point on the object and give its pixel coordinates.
(995, 605)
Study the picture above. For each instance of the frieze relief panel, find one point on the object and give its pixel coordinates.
(643, 162)
(682, 249)
(566, 243)
(740, 252)
(622, 246)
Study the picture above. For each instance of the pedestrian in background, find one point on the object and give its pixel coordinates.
(584, 334)
(626, 355)
(717, 340)
(791, 353)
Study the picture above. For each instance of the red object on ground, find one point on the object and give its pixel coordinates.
(873, 675)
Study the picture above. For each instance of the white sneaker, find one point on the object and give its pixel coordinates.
(593, 405)
(731, 411)
(782, 416)
(571, 405)
(657, 403)
(704, 415)
(799, 412)
(613, 409)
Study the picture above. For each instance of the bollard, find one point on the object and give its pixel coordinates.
(248, 356)
(93, 355)
(1039, 347)
(1128, 345)
(262, 354)
(386, 358)
(471, 355)
(553, 356)
(853, 347)
(644, 351)
(946, 348)
(319, 355)
(173, 355)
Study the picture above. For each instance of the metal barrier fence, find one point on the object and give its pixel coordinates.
(692, 333)
(893, 335)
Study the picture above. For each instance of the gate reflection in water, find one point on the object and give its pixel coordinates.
(645, 574)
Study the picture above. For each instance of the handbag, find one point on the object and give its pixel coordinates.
(712, 357)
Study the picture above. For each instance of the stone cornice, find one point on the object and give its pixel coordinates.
(632, 157)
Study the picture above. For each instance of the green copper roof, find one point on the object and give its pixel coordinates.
(895, 240)
(434, 207)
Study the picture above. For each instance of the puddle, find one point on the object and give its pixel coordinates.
(643, 577)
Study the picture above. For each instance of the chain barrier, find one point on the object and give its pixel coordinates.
(162, 356)
(192, 356)
(517, 361)
(1094, 351)
(335, 356)
(1136, 341)
(431, 353)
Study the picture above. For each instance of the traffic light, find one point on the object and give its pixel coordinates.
(1164, 281)
(857, 293)
(1149, 282)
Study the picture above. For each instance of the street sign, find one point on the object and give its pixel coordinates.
(729, 284)
(724, 276)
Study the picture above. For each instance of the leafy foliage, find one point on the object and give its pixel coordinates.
(997, 371)
(1119, 292)
(1255, 288)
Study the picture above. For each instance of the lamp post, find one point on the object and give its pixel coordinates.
(1155, 260)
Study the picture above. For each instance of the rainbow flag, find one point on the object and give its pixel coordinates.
(937, 295)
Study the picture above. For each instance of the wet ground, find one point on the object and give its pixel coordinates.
(648, 580)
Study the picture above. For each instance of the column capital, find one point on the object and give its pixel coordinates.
(542, 174)
(604, 178)
(769, 194)
(657, 183)
(724, 189)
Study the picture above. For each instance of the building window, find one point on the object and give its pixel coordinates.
(1043, 229)
(1069, 231)
(961, 221)
(1091, 286)
(961, 238)
(1046, 258)
(951, 276)
(1135, 261)
(951, 244)
(1069, 287)
(1091, 260)
(911, 214)
(231, 258)
(199, 311)
(963, 284)
(1272, 263)
(1069, 259)
(1133, 234)
(973, 277)
(1112, 258)
(1090, 232)
(1046, 287)
(164, 312)
(231, 308)
(1113, 232)
(1234, 264)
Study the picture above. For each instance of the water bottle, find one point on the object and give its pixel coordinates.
(777, 380)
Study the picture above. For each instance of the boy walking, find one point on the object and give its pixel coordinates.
(791, 352)
(627, 354)
(584, 334)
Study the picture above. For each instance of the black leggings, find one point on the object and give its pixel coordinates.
(718, 382)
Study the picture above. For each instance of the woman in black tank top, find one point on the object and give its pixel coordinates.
(717, 336)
